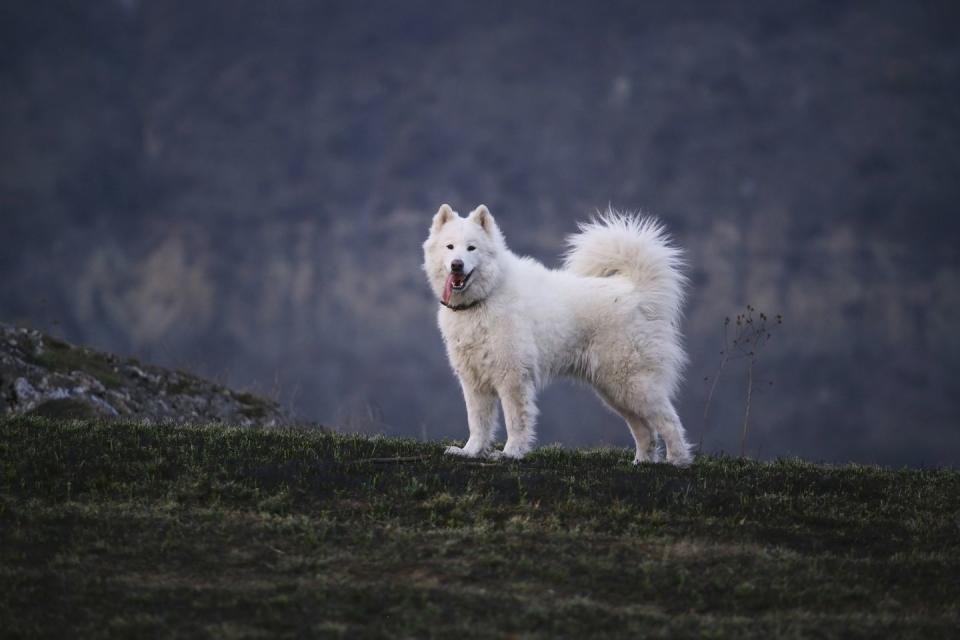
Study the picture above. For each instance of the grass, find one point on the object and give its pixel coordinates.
(65, 409)
(253, 406)
(134, 530)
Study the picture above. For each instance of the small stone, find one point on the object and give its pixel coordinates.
(57, 394)
(103, 406)
(24, 390)
(136, 371)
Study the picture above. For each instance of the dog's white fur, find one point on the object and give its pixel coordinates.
(609, 317)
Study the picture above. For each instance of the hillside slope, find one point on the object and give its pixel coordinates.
(127, 529)
(44, 376)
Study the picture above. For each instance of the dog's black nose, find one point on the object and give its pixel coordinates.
(457, 266)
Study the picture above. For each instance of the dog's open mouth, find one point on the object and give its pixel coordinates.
(455, 282)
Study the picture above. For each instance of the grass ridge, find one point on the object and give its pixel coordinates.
(112, 527)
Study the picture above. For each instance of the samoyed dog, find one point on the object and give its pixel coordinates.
(609, 317)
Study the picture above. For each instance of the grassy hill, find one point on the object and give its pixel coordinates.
(130, 530)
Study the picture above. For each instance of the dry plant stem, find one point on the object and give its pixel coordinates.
(392, 460)
(746, 414)
(706, 406)
(713, 385)
(751, 335)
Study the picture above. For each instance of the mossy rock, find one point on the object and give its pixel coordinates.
(66, 409)
(60, 357)
(253, 407)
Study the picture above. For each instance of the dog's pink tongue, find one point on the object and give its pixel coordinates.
(448, 289)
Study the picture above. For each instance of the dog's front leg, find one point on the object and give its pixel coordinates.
(482, 418)
(520, 411)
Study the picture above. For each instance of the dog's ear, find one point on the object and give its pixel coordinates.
(482, 216)
(444, 215)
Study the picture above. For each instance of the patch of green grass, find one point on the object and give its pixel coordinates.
(62, 357)
(128, 529)
(187, 383)
(65, 409)
(252, 406)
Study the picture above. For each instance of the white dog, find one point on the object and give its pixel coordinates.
(609, 317)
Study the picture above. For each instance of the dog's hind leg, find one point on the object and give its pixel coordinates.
(648, 415)
(482, 417)
(662, 417)
(645, 438)
(643, 434)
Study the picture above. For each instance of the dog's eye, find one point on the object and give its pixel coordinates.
(449, 246)
(471, 248)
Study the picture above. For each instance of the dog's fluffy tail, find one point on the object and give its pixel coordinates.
(638, 248)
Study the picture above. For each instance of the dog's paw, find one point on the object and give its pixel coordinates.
(681, 461)
(463, 452)
(651, 457)
(510, 453)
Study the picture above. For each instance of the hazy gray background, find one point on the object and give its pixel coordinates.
(241, 189)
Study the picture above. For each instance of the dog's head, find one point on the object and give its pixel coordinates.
(462, 256)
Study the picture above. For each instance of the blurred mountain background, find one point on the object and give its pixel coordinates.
(241, 189)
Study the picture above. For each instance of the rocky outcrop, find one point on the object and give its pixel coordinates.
(40, 375)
